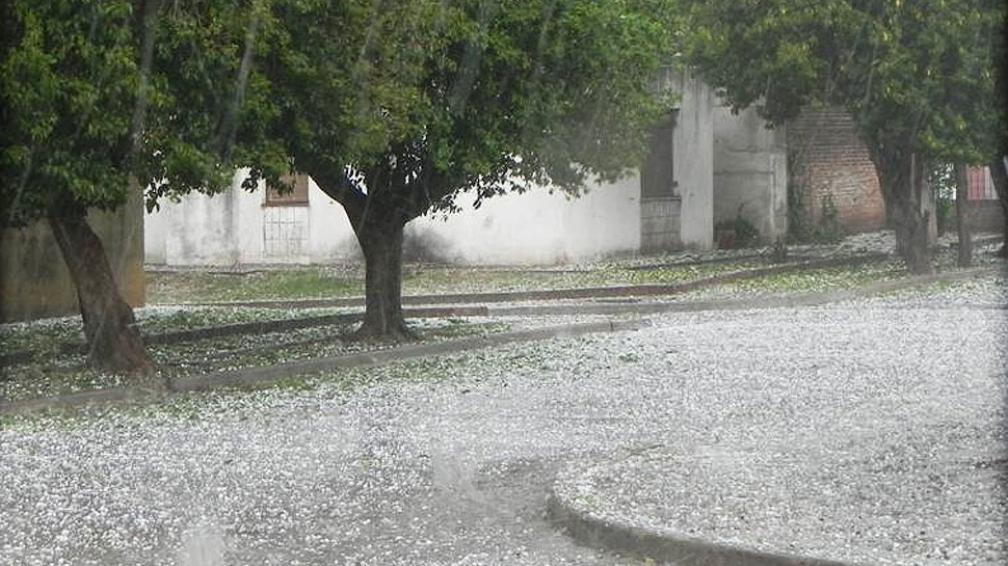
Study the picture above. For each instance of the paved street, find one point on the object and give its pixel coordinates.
(449, 460)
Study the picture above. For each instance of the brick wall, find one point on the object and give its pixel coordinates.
(825, 156)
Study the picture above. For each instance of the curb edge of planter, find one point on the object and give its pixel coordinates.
(664, 546)
(271, 374)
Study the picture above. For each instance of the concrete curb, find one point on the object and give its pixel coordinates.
(764, 256)
(273, 373)
(561, 294)
(455, 298)
(265, 375)
(810, 299)
(804, 300)
(665, 546)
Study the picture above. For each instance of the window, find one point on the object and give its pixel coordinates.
(657, 180)
(296, 197)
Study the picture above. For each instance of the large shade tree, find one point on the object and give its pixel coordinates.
(102, 98)
(417, 102)
(916, 76)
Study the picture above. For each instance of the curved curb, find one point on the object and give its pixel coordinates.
(664, 546)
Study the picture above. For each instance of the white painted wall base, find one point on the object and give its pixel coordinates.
(537, 227)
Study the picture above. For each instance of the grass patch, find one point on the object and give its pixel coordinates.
(318, 283)
(809, 281)
(185, 286)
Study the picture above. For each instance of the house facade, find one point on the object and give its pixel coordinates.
(985, 212)
(707, 165)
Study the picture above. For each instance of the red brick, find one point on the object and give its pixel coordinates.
(827, 157)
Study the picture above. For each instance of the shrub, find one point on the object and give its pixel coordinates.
(827, 230)
(738, 233)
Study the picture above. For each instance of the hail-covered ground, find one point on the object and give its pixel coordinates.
(899, 401)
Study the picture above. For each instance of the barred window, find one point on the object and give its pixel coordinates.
(657, 174)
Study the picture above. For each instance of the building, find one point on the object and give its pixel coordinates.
(985, 212)
(707, 166)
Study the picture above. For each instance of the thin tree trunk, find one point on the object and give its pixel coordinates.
(114, 343)
(383, 318)
(963, 217)
(1000, 176)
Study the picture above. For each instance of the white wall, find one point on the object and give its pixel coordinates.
(537, 227)
(693, 161)
(750, 171)
(156, 228)
(330, 237)
(532, 228)
(202, 229)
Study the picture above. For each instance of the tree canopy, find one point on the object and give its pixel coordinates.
(916, 76)
(397, 108)
(98, 93)
(104, 98)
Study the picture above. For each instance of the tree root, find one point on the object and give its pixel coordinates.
(397, 332)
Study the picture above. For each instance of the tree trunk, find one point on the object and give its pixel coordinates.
(113, 341)
(382, 245)
(963, 217)
(903, 187)
(1000, 176)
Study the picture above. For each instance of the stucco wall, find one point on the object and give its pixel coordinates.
(229, 229)
(750, 172)
(35, 282)
(532, 228)
(536, 227)
(986, 216)
(330, 236)
(694, 162)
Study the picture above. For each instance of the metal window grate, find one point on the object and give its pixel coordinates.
(285, 232)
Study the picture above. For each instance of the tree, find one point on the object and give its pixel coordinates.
(397, 108)
(101, 98)
(998, 165)
(916, 76)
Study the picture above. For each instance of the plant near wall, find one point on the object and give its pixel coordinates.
(746, 234)
(103, 98)
(827, 229)
(799, 223)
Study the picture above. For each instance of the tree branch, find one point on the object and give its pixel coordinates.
(342, 189)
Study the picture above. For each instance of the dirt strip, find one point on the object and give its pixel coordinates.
(266, 375)
(562, 294)
(257, 327)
